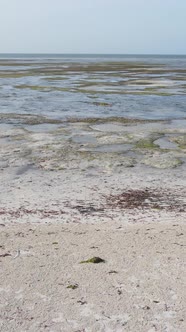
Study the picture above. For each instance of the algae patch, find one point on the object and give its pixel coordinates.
(180, 140)
(94, 260)
(27, 119)
(74, 286)
(162, 161)
(147, 144)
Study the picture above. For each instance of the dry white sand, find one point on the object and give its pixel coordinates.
(140, 287)
(48, 227)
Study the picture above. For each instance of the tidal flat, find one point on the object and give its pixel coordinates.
(101, 145)
(86, 111)
(93, 118)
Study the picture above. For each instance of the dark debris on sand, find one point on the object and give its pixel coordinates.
(146, 199)
(139, 199)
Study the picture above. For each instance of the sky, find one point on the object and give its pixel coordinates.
(93, 26)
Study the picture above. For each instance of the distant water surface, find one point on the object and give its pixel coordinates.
(64, 86)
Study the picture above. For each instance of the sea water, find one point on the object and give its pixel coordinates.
(77, 86)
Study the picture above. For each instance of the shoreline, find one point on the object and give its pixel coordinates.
(95, 185)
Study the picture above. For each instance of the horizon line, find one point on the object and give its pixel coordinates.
(50, 53)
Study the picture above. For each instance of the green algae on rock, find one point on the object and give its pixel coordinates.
(147, 144)
(102, 104)
(180, 140)
(162, 161)
(28, 119)
(110, 119)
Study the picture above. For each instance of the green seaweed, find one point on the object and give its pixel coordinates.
(101, 104)
(14, 75)
(94, 260)
(147, 144)
(123, 120)
(180, 140)
(55, 78)
(73, 286)
(124, 92)
(27, 118)
(92, 92)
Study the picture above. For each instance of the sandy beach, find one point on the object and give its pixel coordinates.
(133, 219)
(139, 287)
(92, 207)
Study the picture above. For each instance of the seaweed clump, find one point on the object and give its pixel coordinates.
(74, 286)
(94, 260)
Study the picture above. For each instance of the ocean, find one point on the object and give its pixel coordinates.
(63, 86)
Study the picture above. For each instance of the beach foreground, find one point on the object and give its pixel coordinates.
(139, 287)
(52, 221)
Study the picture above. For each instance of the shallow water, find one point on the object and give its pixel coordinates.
(164, 143)
(61, 87)
(113, 148)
